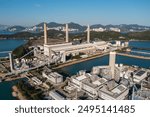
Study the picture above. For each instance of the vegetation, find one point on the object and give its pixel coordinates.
(29, 91)
(22, 50)
(27, 35)
(110, 35)
(106, 35)
(23, 35)
(74, 57)
(140, 35)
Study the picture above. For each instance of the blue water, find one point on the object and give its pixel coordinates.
(6, 32)
(6, 90)
(147, 54)
(5, 87)
(87, 65)
(140, 44)
(9, 45)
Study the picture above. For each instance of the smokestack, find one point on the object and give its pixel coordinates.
(67, 35)
(45, 34)
(112, 60)
(11, 62)
(88, 34)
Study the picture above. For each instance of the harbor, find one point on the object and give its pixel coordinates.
(73, 69)
(43, 63)
(77, 58)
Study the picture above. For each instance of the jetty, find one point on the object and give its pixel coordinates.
(134, 56)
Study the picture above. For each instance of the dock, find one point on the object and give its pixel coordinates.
(134, 56)
(11, 78)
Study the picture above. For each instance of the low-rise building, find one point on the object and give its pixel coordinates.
(53, 77)
(140, 75)
(99, 29)
(88, 83)
(115, 29)
(56, 95)
(113, 91)
(36, 81)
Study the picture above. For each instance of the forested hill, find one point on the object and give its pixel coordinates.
(106, 35)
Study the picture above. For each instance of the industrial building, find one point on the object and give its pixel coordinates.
(144, 92)
(56, 95)
(87, 83)
(60, 53)
(113, 91)
(96, 87)
(53, 77)
(140, 75)
(104, 87)
(57, 53)
(36, 81)
(109, 72)
(110, 82)
(68, 48)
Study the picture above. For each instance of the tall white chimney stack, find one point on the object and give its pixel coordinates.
(112, 60)
(45, 34)
(67, 35)
(88, 34)
(11, 62)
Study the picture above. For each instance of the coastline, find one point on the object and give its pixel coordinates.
(134, 56)
(79, 60)
(138, 40)
(17, 93)
(96, 56)
(14, 38)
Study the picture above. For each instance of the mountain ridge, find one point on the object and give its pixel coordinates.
(77, 27)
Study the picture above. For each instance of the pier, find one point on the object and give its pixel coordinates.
(134, 56)
(139, 48)
(14, 77)
(5, 52)
(139, 52)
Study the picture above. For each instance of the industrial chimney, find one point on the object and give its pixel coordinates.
(88, 34)
(11, 62)
(67, 35)
(112, 59)
(45, 34)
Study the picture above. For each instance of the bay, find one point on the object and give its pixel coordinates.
(6, 87)
(7, 45)
(87, 65)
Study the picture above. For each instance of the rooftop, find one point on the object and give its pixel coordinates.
(140, 72)
(81, 77)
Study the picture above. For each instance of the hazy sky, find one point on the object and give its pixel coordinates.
(30, 12)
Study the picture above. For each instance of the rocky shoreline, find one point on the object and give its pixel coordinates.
(16, 93)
